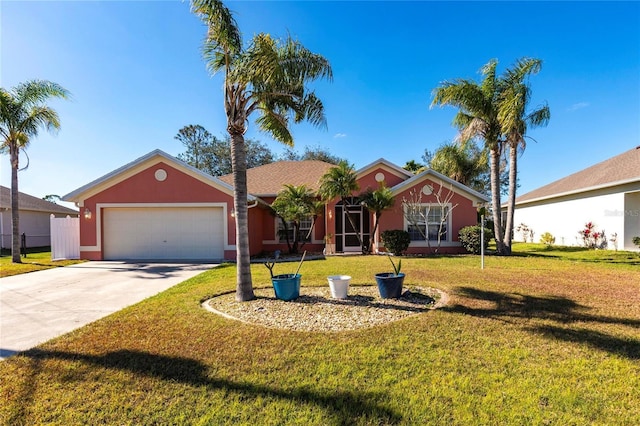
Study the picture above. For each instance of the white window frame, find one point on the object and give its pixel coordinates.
(448, 227)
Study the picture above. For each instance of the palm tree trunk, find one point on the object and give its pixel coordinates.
(513, 174)
(495, 198)
(15, 205)
(244, 285)
(376, 217)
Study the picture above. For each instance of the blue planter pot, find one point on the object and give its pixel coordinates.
(390, 285)
(286, 286)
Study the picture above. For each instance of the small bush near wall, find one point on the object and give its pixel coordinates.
(396, 241)
(470, 238)
(636, 241)
(592, 238)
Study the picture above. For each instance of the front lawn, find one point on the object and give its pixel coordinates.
(530, 340)
(35, 261)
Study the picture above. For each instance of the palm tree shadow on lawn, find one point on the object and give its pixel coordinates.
(346, 407)
(561, 310)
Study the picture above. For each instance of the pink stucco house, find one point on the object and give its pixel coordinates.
(160, 208)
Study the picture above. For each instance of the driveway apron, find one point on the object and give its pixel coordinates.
(39, 306)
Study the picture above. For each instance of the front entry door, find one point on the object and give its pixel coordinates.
(350, 235)
(347, 234)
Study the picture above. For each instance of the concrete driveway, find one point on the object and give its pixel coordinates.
(39, 306)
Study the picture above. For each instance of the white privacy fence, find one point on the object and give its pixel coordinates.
(65, 238)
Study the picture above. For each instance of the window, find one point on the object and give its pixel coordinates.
(428, 220)
(305, 226)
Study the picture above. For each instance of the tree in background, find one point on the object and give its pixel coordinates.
(515, 118)
(23, 112)
(463, 162)
(413, 167)
(52, 198)
(311, 153)
(213, 156)
(198, 142)
(268, 77)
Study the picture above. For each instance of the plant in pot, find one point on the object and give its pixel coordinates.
(390, 283)
(285, 286)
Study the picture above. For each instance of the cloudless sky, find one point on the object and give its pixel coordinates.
(136, 74)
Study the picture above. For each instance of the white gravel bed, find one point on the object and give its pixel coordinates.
(315, 310)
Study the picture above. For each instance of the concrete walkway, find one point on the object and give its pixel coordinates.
(39, 306)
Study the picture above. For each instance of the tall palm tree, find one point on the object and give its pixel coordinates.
(22, 113)
(376, 201)
(515, 119)
(295, 204)
(269, 77)
(340, 182)
(478, 117)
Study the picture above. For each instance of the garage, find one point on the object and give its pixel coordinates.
(163, 233)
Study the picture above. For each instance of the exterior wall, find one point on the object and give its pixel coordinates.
(268, 232)
(565, 217)
(144, 188)
(631, 216)
(463, 213)
(368, 180)
(34, 224)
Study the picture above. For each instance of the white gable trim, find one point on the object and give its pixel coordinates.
(140, 164)
(473, 195)
(381, 162)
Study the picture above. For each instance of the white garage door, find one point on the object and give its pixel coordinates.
(163, 233)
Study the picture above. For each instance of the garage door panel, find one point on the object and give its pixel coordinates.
(190, 233)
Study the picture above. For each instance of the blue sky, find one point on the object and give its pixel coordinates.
(136, 74)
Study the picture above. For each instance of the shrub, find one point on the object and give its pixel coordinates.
(547, 239)
(396, 241)
(591, 238)
(636, 241)
(470, 237)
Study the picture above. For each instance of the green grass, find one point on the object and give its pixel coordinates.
(529, 340)
(34, 261)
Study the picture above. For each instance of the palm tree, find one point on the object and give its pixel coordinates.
(376, 201)
(340, 182)
(515, 119)
(463, 162)
(268, 77)
(294, 204)
(22, 113)
(413, 167)
(478, 117)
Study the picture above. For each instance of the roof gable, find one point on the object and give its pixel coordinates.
(136, 166)
(387, 165)
(433, 175)
(621, 169)
(29, 202)
(269, 179)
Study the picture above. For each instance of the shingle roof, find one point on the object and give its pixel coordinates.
(270, 178)
(28, 202)
(620, 169)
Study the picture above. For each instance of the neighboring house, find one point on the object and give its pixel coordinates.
(606, 194)
(158, 207)
(35, 214)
